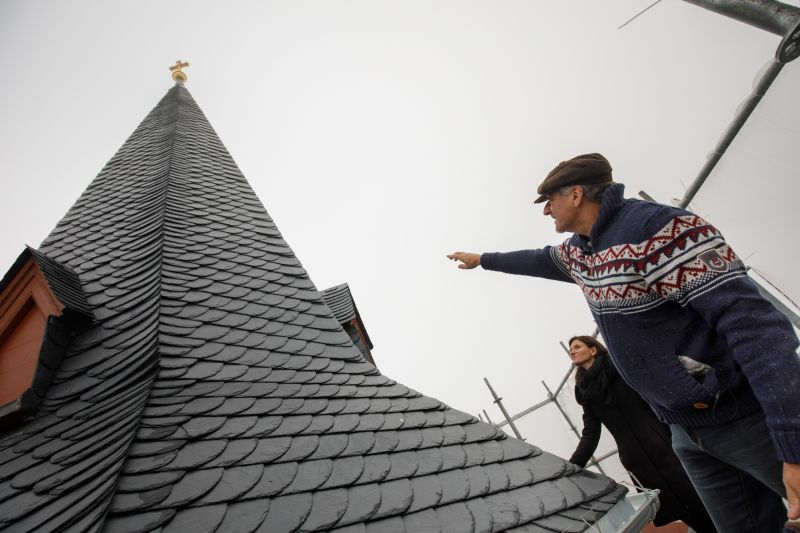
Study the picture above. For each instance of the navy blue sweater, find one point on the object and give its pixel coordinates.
(662, 283)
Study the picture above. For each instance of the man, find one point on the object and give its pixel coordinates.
(687, 329)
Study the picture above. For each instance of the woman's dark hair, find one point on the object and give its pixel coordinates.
(591, 342)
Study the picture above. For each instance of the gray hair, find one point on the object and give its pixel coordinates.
(592, 193)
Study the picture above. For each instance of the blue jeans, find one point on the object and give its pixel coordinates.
(736, 473)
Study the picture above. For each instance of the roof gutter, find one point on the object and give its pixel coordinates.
(629, 515)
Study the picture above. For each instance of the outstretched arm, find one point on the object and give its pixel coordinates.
(548, 262)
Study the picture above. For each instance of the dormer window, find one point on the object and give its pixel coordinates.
(40, 301)
(340, 300)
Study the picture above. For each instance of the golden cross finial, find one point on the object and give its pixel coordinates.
(177, 74)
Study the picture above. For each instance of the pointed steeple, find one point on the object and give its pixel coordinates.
(218, 391)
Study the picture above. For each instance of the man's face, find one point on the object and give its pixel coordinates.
(563, 210)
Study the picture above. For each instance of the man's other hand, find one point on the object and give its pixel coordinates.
(468, 260)
(791, 479)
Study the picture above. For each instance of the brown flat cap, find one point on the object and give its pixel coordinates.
(586, 169)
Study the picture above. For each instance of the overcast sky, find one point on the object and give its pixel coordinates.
(383, 135)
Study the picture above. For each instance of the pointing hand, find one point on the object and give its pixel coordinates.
(468, 260)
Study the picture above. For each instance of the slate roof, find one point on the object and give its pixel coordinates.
(216, 391)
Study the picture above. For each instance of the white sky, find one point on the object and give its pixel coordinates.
(381, 136)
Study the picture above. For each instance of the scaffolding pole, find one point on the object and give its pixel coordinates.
(499, 402)
(542, 403)
(569, 372)
(525, 412)
(596, 460)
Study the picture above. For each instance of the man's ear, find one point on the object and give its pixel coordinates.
(577, 195)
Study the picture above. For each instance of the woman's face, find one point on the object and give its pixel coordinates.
(581, 354)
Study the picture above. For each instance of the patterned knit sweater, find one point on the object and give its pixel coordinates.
(662, 283)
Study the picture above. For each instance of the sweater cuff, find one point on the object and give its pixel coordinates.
(489, 261)
(787, 445)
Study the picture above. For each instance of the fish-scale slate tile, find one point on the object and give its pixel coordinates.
(244, 517)
(217, 390)
(199, 519)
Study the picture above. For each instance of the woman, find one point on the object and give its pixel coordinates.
(643, 442)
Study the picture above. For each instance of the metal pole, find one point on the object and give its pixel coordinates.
(569, 420)
(596, 460)
(499, 402)
(564, 413)
(647, 197)
(545, 402)
(489, 420)
(741, 117)
(525, 412)
(769, 15)
(564, 381)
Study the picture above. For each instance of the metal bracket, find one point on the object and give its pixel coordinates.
(789, 49)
